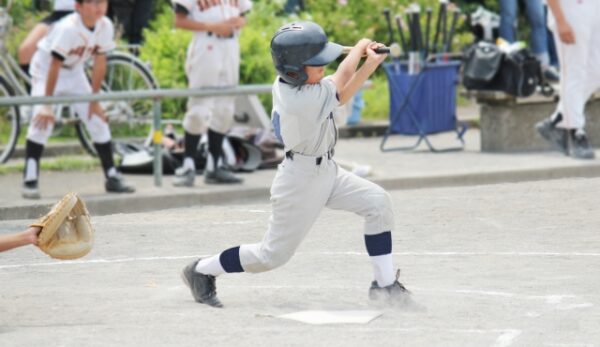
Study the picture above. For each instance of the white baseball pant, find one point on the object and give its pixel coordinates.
(68, 84)
(300, 191)
(579, 62)
(211, 62)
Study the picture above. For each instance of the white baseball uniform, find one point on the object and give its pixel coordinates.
(72, 41)
(579, 69)
(212, 61)
(309, 179)
(64, 5)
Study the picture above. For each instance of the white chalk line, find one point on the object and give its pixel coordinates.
(426, 254)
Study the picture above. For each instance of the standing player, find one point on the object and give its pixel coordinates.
(29, 45)
(213, 60)
(577, 35)
(58, 69)
(309, 179)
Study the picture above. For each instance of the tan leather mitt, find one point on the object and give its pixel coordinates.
(66, 230)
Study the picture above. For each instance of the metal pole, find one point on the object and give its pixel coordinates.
(157, 143)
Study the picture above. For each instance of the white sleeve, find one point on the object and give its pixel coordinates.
(63, 41)
(106, 36)
(188, 4)
(245, 6)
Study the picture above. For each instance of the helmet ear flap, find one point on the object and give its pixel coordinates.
(293, 74)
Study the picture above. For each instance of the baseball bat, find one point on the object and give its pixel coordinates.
(388, 20)
(394, 50)
(438, 26)
(427, 28)
(401, 32)
(452, 29)
(445, 27)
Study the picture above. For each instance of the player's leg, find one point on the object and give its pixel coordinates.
(100, 134)
(37, 137)
(222, 117)
(568, 119)
(574, 70)
(298, 195)
(200, 71)
(355, 194)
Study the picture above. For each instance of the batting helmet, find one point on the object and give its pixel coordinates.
(298, 44)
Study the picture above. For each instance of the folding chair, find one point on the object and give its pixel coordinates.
(423, 104)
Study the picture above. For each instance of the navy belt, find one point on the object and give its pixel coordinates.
(318, 160)
(210, 33)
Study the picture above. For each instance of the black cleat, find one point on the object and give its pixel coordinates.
(221, 176)
(556, 136)
(579, 146)
(184, 177)
(202, 286)
(116, 184)
(395, 295)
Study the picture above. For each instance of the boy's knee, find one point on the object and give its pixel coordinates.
(380, 215)
(194, 123)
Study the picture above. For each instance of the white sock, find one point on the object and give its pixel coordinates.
(383, 268)
(210, 266)
(112, 172)
(31, 173)
(188, 163)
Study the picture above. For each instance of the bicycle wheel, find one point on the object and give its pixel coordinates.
(131, 120)
(9, 123)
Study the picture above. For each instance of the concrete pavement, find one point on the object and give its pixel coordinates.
(393, 170)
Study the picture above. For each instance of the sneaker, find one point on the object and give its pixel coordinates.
(395, 294)
(184, 177)
(221, 176)
(202, 286)
(30, 190)
(116, 184)
(579, 146)
(551, 74)
(556, 136)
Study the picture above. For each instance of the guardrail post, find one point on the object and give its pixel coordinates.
(157, 143)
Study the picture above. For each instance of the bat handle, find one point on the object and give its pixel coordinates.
(382, 50)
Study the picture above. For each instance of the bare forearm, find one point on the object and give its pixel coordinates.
(347, 67)
(192, 25)
(554, 6)
(357, 81)
(15, 240)
(98, 72)
(52, 77)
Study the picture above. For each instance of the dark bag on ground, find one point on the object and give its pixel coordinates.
(487, 68)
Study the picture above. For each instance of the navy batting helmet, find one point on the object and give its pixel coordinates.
(298, 44)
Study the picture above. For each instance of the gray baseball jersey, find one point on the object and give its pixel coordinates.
(303, 117)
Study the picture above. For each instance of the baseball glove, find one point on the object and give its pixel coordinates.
(66, 230)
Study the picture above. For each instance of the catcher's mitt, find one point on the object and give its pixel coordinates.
(66, 230)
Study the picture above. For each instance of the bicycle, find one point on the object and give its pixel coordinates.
(124, 71)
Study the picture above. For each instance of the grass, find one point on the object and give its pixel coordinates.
(63, 163)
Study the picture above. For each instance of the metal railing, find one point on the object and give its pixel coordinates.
(156, 94)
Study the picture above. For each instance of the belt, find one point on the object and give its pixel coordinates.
(318, 160)
(210, 34)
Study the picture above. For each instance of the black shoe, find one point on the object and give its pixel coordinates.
(551, 75)
(202, 286)
(184, 177)
(579, 146)
(556, 136)
(116, 184)
(221, 176)
(395, 294)
(30, 190)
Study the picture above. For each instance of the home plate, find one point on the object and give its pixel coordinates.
(333, 317)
